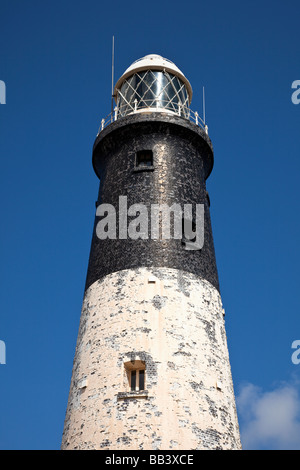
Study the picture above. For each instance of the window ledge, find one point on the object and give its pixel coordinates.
(143, 168)
(140, 394)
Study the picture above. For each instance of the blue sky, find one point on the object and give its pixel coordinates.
(55, 59)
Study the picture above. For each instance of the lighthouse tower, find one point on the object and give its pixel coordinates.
(151, 367)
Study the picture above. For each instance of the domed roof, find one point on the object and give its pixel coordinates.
(154, 62)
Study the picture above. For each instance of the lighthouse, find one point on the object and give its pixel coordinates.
(151, 368)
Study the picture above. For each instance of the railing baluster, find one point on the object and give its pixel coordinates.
(182, 110)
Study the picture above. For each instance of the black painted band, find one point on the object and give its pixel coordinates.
(182, 161)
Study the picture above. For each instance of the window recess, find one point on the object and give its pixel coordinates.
(144, 160)
(135, 374)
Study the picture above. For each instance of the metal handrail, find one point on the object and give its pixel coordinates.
(154, 105)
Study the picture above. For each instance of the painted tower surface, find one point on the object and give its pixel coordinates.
(151, 367)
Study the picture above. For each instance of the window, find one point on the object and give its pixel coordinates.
(134, 381)
(135, 372)
(141, 373)
(137, 380)
(144, 159)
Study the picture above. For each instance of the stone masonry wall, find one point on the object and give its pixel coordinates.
(181, 154)
(174, 322)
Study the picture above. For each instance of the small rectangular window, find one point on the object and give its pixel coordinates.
(144, 159)
(133, 380)
(135, 373)
(141, 379)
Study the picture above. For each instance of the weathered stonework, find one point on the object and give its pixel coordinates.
(175, 324)
(182, 160)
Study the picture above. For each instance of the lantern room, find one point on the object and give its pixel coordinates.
(153, 83)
